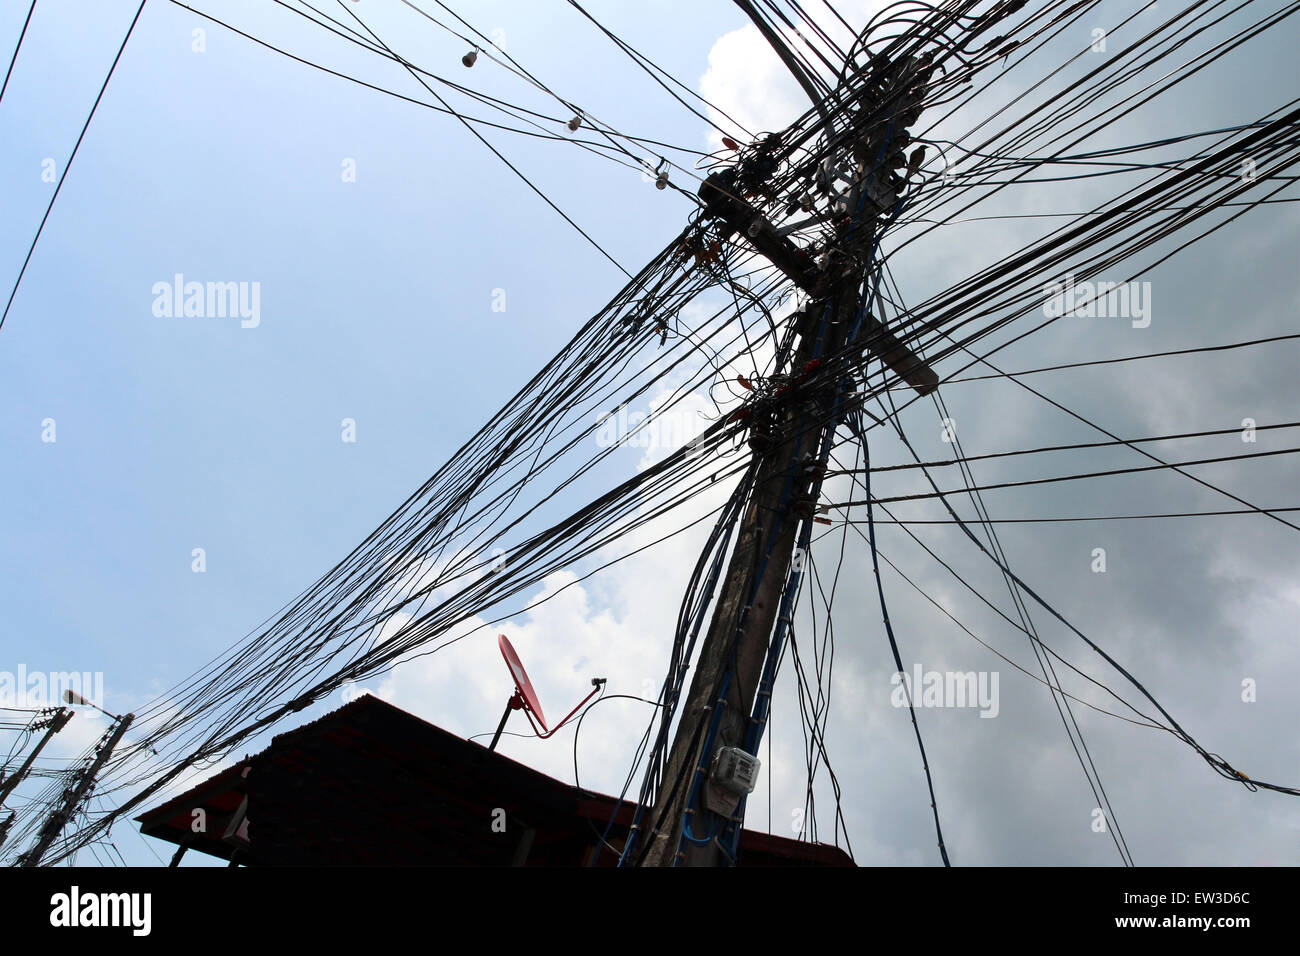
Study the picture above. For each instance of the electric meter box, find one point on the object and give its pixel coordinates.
(735, 770)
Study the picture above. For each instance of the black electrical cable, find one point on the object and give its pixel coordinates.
(68, 165)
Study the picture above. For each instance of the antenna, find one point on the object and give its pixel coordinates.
(525, 697)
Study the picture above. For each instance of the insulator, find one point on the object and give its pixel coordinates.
(470, 58)
(825, 174)
(661, 181)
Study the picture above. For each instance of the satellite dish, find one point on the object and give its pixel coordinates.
(525, 697)
(523, 686)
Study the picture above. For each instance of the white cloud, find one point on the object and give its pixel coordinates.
(747, 80)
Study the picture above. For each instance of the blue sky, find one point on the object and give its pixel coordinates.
(376, 297)
(376, 306)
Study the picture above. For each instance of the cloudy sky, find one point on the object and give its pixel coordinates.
(221, 160)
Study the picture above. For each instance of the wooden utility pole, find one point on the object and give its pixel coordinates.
(785, 436)
(74, 795)
(52, 724)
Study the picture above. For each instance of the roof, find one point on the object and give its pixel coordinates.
(372, 785)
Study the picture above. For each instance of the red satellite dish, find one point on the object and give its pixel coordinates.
(522, 684)
(525, 698)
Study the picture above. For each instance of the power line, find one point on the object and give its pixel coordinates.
(68, 165)
(14, 59)
(1078, 477)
